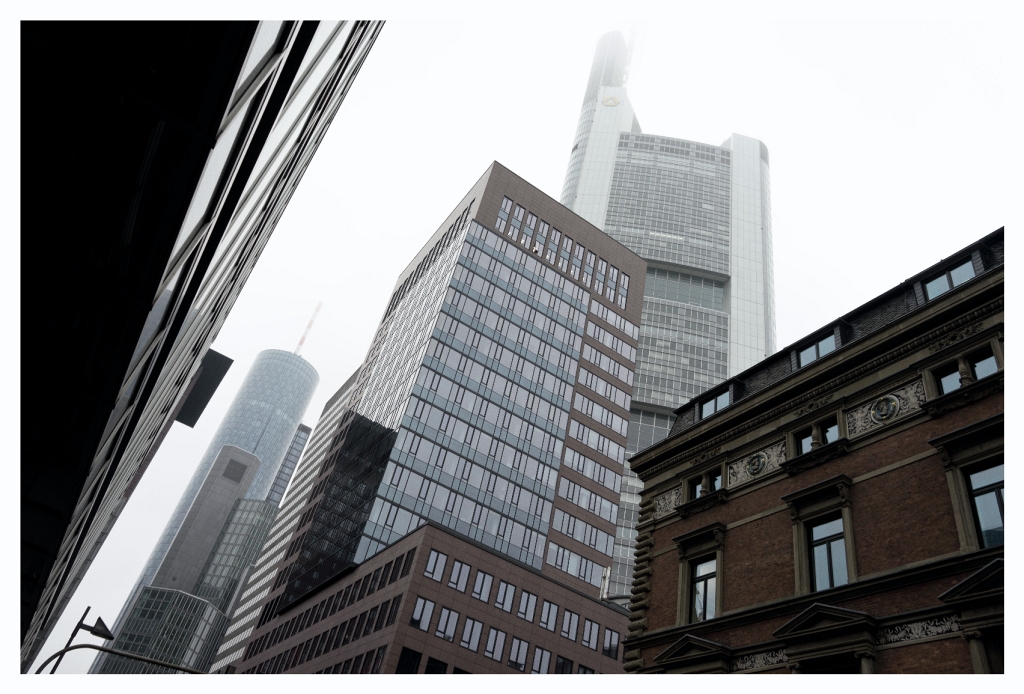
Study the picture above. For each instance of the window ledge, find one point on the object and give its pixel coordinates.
(815, 457)
(965, 395)
(702, 503)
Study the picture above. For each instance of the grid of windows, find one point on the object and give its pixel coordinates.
(574, 565)
(574, 460)
(582, 531)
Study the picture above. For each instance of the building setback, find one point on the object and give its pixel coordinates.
(173, 149)
(492, 406)
(839, 506)
(221, 520)
(700, 215)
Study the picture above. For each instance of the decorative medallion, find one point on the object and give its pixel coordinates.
(884, 409)
(756, 464)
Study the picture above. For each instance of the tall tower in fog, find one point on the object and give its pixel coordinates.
(700, 215)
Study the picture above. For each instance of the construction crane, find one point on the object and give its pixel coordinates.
(308, 327)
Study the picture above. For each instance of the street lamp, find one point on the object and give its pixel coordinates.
(98, 629)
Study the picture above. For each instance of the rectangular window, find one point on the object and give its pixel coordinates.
(982, 363)
(446, 624)
(393, 612)
(373, 582)
(541, 661)
(584, 670)
(828, 554)
(947, 280)
(590, 630)
(948, 378)
(703, 591)
(408, 662)
(570, 623)
(527, 605)
(435, 667)
(563, 666)
(817, 350)
(421, 614)
(482, 587)
(506, 594)
(549, 615)
(987, 499)
(435, 565)
(804, 438)
(459, 577)
(517, 654)
(495, 644)
(611, 644)
(471, 634)
(709, 407)
(407, 565)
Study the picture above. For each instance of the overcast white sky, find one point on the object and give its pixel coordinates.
(887, 154)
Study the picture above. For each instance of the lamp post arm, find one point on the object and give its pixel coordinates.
(123, 654)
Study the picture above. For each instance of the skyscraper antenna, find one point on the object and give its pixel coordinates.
(308, 327)
(630, 43)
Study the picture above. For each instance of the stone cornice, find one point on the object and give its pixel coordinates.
(815, 394)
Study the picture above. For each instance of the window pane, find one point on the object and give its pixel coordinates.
(987, 477)
(962, 273)
(710, 606)
(821, 567)
(705, 568)
(807, 356)
(838, 549)
(937, 287)
(831, 433)
(985, 367)
(989, 518)
(699, 601)
(827, 345)
(826, 529)
(722, 401)
(805, 442)
(949, 382)
(707, 409)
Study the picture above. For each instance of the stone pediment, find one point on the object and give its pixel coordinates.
(819, 619)
(694, 654)
(984, 585)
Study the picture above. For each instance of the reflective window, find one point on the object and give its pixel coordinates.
(541, 661)
(709, 407)
(482, 587)
(949, 279)
(590, 630)
(570, 623)
(506, 594)
(459, 577)
(435, 565)
(563, 666)
(527, 605)
(446, 624)
(421, 614)
(828, 554)
(987, 498)
(611, 644)
(548, 615)
(703, 591)
(471, 634)
(817, 350)
(495, 644)
(517, 654)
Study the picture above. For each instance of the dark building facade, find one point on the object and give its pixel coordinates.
(173, 148)
(838, 508)
(493, 403)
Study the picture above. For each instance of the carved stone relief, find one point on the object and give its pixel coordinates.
(665, 504)
(755, 465)
(885, 409)
(955, 336)
(918, 630)
(749, 662)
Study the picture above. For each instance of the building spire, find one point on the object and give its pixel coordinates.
(308, 327)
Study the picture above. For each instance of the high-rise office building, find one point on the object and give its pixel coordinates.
(222, 518)
(700, 215)
(481, 447)
(173, 149)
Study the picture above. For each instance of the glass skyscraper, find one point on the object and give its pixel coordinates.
(493, 403)
(221, 520)
(700, 215)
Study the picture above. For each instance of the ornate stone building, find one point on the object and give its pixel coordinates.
(838, 508)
